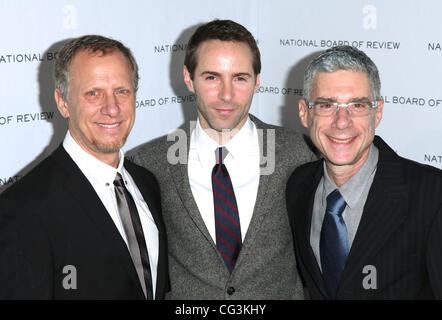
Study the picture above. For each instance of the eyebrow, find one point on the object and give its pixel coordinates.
(213, 73)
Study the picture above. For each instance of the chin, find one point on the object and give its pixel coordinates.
(220, 126)
(348, 161)
(109, 147)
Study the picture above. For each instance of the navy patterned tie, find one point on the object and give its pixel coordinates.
(334, 242)
(228, 231)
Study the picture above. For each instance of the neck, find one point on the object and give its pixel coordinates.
(222, 137)
(340, 174)
(112, 160)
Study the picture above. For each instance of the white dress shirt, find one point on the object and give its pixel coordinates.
(242, 163)
(102, 176)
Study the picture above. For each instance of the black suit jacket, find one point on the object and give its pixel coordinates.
(400, 232)
(53, 218)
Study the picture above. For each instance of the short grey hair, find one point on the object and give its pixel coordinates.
(92, 43)
(342, 58)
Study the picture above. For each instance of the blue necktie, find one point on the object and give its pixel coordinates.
(228, 230)
(334, 242)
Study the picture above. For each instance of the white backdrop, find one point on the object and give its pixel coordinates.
(403, 37)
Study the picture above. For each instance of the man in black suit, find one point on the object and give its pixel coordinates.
(86, 223)
(367, 223)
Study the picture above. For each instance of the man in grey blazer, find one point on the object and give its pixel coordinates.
(207, 260)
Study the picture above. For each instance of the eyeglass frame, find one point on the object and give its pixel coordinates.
(311, 105)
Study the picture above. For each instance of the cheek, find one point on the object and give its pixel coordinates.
(315, 126)
(315, 134)
(371, 126)
(318, 129)
(205, 94)
(246, 93)
(83, 114)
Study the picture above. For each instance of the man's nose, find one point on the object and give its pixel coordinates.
(226, 92)
(342, 117)
(110, 106)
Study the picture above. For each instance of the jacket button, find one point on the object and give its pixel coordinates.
(230, 291)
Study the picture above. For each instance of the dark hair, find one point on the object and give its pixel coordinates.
(224, 30)
(93, 43)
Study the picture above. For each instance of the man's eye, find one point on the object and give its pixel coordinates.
(360, 105)
(210, 78)
(325, 105)
(92, 93)
(123, 91)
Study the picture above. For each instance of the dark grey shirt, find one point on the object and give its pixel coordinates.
(354, 192)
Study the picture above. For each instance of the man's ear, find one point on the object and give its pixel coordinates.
(257, 83)
(379, 112)
(188, 80)
(303, 112)
(61, 104)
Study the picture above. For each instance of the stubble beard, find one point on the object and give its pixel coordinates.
(110, 147)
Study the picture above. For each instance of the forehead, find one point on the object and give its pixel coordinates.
(341, 84)
(212, 51)
(85, 59)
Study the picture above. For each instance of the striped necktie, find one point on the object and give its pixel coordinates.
(135, 236)
(227, 225)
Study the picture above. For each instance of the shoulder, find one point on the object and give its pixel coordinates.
(148, 149)
(283, 135)
(138, 171)
(35, 192)
(37, 182)
(411, 169)
(149, 153)
(421, 172)
(305, 172)
(288, 142)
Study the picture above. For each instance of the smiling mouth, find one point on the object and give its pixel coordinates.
(341, 141)
(109, 125)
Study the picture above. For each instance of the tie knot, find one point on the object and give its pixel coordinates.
(335, 202)
(220, 154)
(118, 182)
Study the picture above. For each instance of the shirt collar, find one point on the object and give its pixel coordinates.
(352, 190)
(91, 167)
(240, 146)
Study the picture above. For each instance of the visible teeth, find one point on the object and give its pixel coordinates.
(340, 141)
(109, 125)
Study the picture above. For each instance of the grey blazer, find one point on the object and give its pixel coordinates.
(266, 267)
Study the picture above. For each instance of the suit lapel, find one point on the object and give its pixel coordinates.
(148, 195)
(303, 222)
(262, 205)
(153, 204)
(383, 212)
(87, 199)
(180, 177)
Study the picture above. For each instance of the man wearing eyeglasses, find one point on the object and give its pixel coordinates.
(367, 223)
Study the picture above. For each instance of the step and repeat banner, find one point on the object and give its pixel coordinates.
(404, 39)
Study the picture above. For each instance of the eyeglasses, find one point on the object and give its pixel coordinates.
(328, 108)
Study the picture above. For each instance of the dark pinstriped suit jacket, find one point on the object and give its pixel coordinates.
(400, 232)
